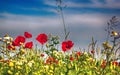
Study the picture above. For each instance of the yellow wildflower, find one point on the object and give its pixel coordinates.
(19, 63)
(30, 64)
(11, 39)
(107, 45)
(11, 64)
(114, 33)
(46, 67)
(10, 72)
(47, 45)
(18, 67)
(17, 73)
(22, 51)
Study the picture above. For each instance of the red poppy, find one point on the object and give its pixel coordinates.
(78, 53)
(103, 65)
(71, 58)
(18, 41)
(29, 45)
(67, 45)
(51, 60)
(27, 34)
(10, 47)
(42, 38)
(115, 63)
(56, 61)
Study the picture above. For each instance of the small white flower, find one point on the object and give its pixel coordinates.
(6, 38)
(30, 64)
(19, 63)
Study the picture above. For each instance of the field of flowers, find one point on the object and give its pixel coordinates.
(20, 57)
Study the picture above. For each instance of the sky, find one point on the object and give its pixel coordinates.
(83, 18)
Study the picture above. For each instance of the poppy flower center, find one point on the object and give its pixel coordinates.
(67, 46)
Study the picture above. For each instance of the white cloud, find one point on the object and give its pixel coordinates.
(20, 21)
(12, 21)
(41, 9)
(50, 2)
(95, 4)
(94, 20)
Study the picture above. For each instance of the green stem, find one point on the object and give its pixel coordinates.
(42, 48)
(63, 20)
(113, 45)
(62, 17)
(108, 33)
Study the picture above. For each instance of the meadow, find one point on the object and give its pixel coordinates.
(19, 57)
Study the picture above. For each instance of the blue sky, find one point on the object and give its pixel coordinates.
(83, 18)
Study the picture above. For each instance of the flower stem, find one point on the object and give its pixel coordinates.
(60, 8)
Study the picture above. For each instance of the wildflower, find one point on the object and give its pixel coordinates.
(109, 47)
(90, 59)
(61, 62)
(22, 51)
(114, 33)
(30, 63)
(56, 61)
(78, 53)
(103, 65)
(51, 60)
(46, 67)
(11, 64)
(19, 63)
(47, 45)
(6, 37)
(71, 58)
(10, 47)
(17, 73)
(10, 72)
(18, 41)
(106, 45)
(11, 39)
(29, 45)
(67, 45)
(27, 34)
(115, 63)
(42, 38)
(85, 53)
(18, 67)
(55, 53)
